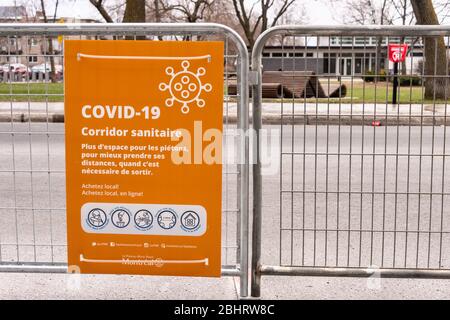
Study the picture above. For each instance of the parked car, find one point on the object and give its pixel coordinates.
(15, 67)
(46, 67)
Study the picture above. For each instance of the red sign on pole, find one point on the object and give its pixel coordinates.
(397, 52)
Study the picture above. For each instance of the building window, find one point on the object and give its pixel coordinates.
(360, 41)
(32, 59)
(32, 42)
(329, 65)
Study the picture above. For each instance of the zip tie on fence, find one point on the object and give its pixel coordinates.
(91, 56)
(155, 262)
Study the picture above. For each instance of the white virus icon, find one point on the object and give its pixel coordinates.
(185, 87)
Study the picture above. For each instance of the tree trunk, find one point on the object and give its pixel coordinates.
(435, 53)
(403, 69)
(157, 12)
(49, 50)
(134, 11)
(378, 60)
(402, 39)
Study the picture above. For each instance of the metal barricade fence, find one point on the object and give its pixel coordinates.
(362, 186)
(32, 183)
(361, 181)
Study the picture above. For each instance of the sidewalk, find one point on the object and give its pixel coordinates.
(34, 111)
(355, 114)
(300, 113)
(32, 286)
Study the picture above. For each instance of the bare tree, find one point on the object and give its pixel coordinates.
(395, 12)
(384, 18)
(98, 4)
(366, 12)
(134, 10)
(158, 10)
(435, 52)
(156, 5)
(403, 13)
(442, 9)
(254, 22)
(191, 10)
(154, 10)
(50, 51)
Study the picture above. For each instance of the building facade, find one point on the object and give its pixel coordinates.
(342, 56)
(31, 51)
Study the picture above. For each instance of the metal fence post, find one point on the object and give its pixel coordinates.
(257, 178)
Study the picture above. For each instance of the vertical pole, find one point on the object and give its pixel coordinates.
(15, 11)
(395, 86)
(257, 178)
(244, 163)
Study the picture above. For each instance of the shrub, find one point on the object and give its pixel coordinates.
(370, 76)
(382, 76)
(406, 81)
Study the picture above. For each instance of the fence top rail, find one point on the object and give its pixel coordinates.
(139, 29)
(368, 30)
(130, 29)
(347, 30)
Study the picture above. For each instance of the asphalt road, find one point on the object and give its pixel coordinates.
(340, 188)
(345, 187)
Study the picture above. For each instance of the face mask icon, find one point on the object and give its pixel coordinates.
(167, 219)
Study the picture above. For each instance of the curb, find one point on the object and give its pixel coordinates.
(32, 117)
(321, 120)
(356, 120)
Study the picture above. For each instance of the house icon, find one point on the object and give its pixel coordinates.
(190, 220)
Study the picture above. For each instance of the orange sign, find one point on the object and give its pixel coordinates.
(143, 124)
